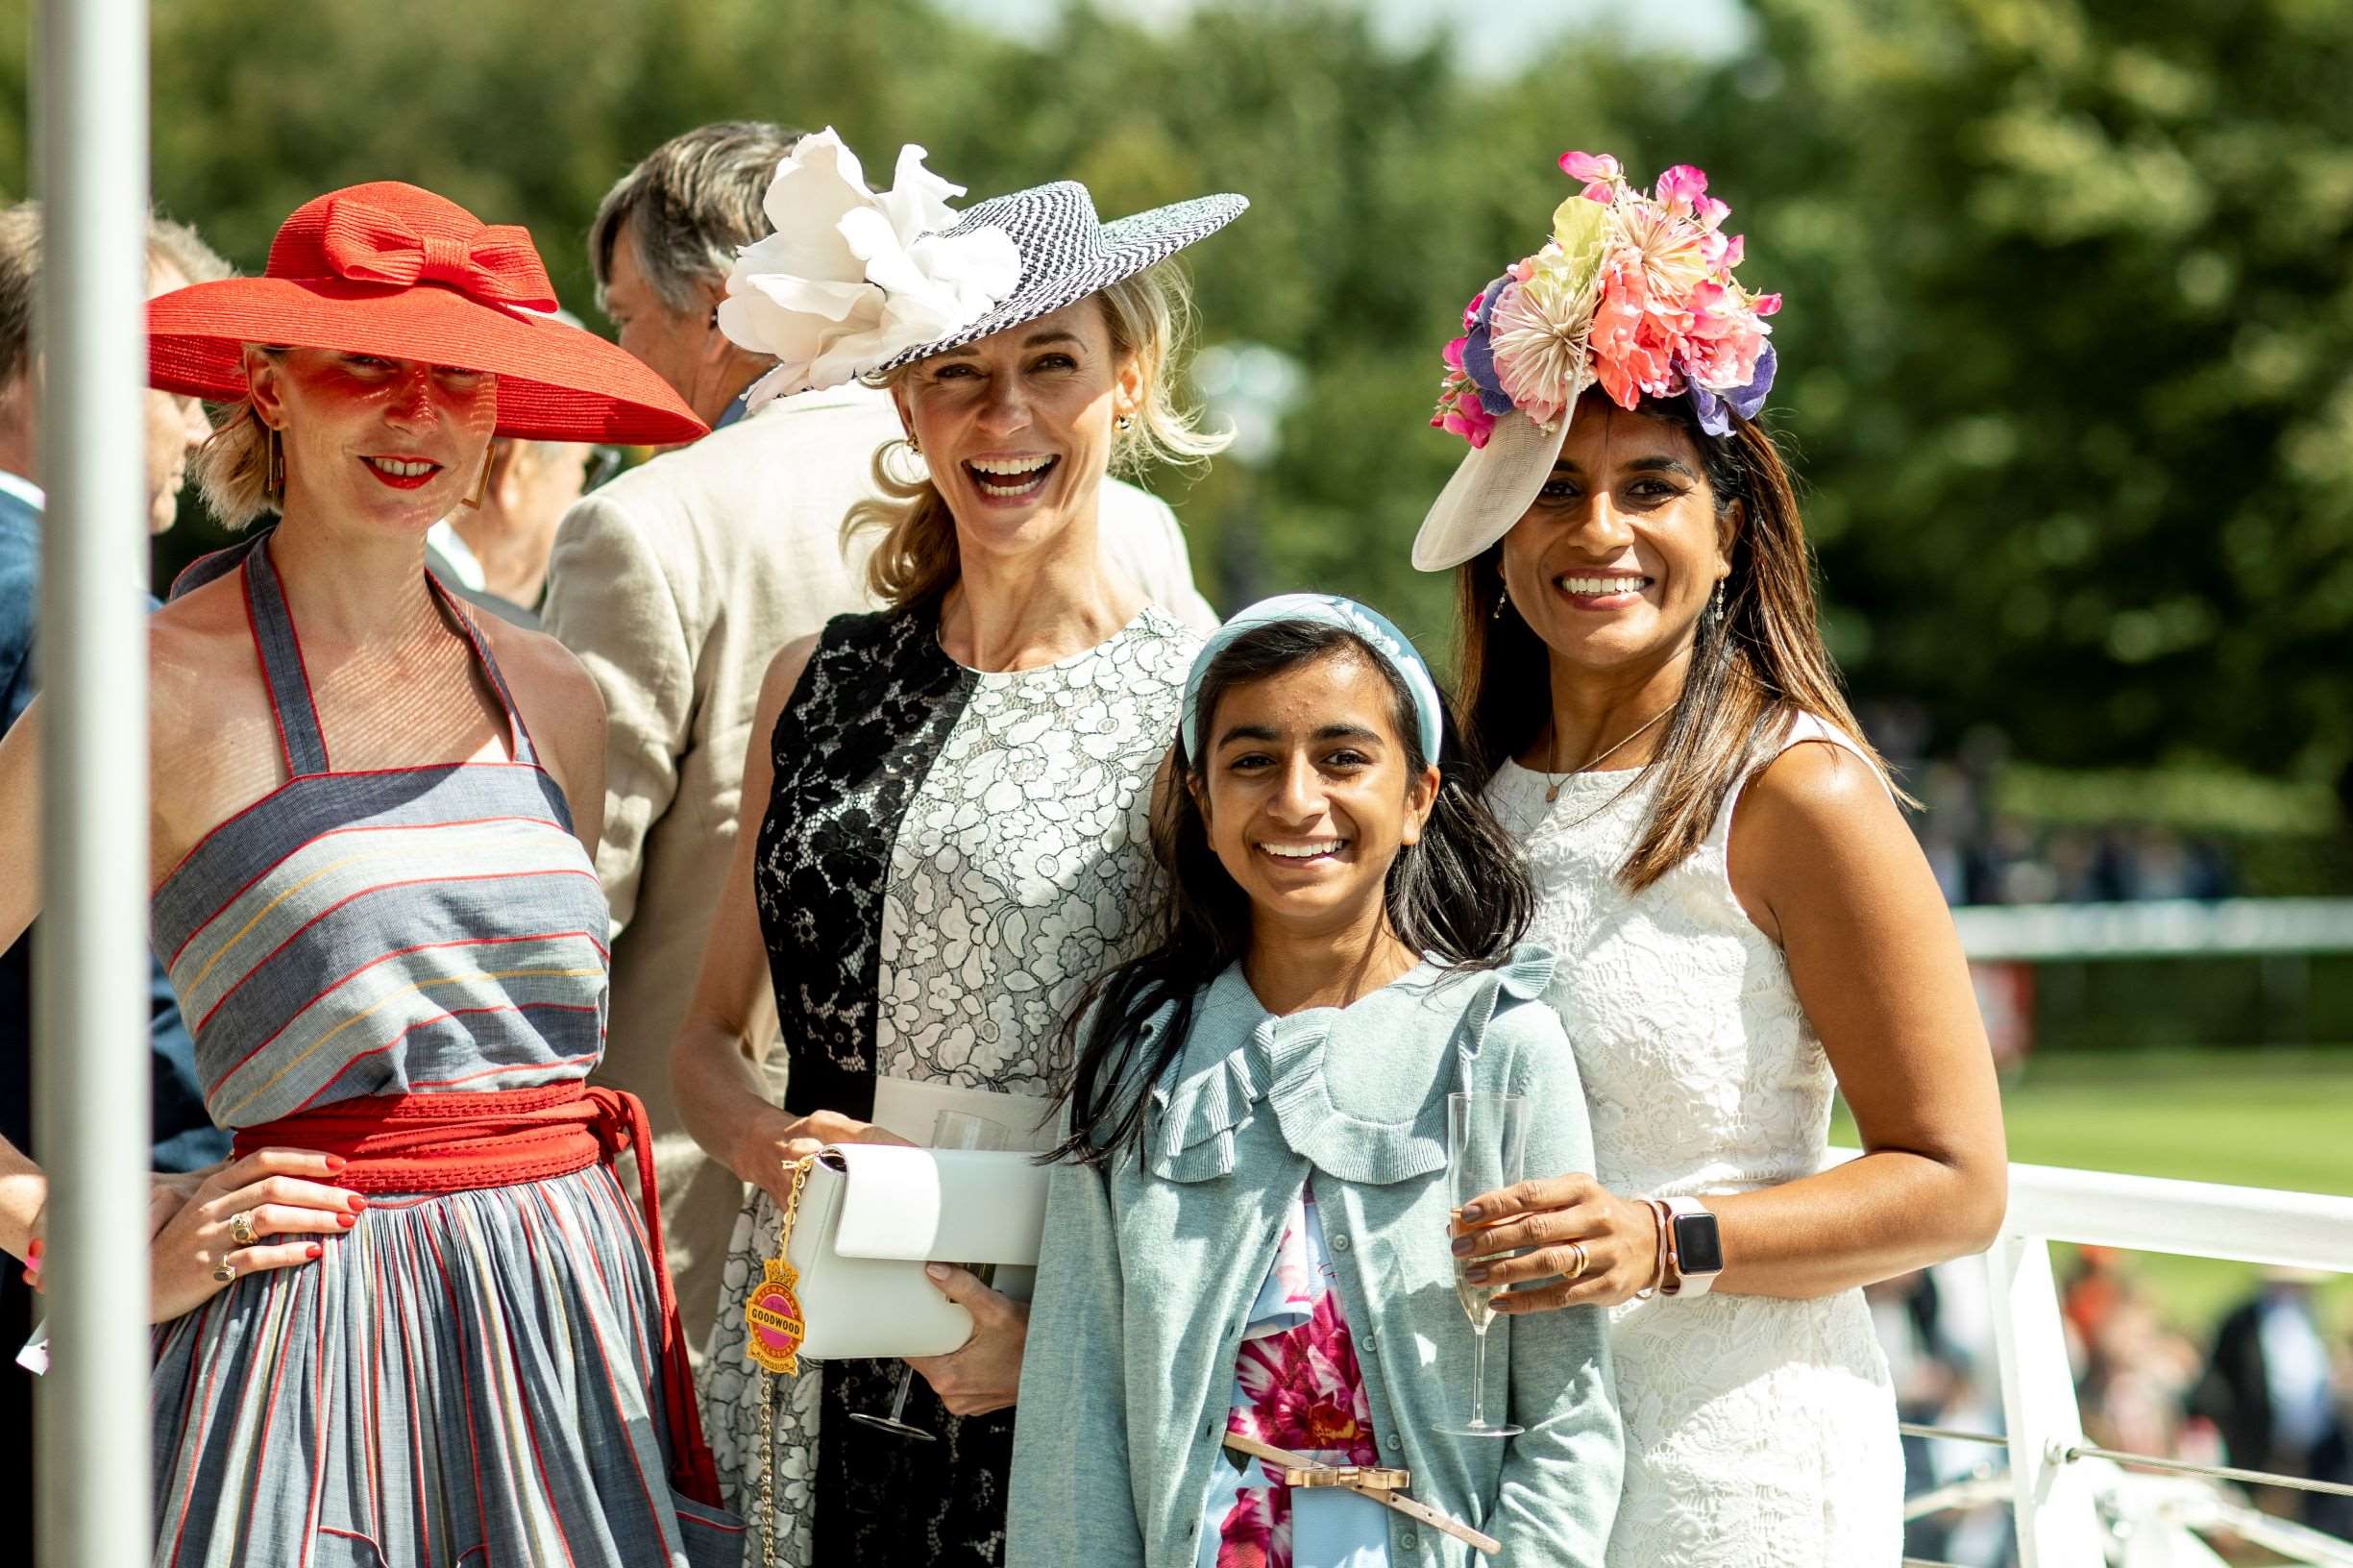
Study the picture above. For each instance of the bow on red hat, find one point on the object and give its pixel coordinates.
(497, 264)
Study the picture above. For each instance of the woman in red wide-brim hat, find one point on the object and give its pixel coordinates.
(416, 1318)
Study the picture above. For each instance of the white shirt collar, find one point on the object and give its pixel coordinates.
(443, 537)
(24, 490)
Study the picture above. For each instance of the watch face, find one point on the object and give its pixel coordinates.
(1697, 1247)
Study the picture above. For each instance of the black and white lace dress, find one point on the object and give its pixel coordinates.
(948, 857)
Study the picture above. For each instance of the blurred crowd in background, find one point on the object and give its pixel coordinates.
(2268, 1387)
(1983, 853)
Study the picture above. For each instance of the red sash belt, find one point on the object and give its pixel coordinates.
(500, 1137)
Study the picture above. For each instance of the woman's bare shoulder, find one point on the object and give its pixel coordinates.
(558, 697)
(198, 647)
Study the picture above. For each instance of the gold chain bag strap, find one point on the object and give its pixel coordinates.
(773, 1316)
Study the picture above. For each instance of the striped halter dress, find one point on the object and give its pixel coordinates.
(475, 1373)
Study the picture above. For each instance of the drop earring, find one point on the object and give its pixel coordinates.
(1503, 601)
(274, 470)
(1123, 424)
(481, 481)
(913, 444)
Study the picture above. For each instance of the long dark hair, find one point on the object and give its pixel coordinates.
(1460, 895)
(1756, 657)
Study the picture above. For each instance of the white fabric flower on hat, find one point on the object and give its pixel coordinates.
(851, 277)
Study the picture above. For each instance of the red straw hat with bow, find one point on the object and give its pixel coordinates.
(389, 269)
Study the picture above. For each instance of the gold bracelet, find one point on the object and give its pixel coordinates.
(1659, 1275)
(1670, 1258)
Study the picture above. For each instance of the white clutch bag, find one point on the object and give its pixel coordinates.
(862, 1221)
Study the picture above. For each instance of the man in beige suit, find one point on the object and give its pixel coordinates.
(677, 584)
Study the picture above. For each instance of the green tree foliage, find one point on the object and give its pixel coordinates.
(2073, 326)
(2065, 362)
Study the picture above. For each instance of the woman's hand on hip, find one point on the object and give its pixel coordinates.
(246, 1218)
(170, 1191)
(1550, 1222)
(986, 1374)
(802, 1136)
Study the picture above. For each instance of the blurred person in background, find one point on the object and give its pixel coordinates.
(677, 582)
(185, 1138)
(495, 555)
(1711, 836)
(2270, 1387)
(1936, 1326)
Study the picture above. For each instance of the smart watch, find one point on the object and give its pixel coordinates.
(1695, 1248)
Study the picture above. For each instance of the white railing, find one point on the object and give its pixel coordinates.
(2056, 1475)
(2158, 928)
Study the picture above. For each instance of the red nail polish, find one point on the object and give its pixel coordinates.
(32, 1253)
(357, 1203)
(335, 1162)
(347, 1221)
(313, 1250)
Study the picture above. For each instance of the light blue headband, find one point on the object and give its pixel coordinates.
(1369, 626)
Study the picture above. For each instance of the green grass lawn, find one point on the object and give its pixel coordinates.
(2251, 1117)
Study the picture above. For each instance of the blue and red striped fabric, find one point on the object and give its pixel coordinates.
(467, 1377)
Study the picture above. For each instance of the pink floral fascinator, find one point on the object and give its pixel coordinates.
(1632, 293)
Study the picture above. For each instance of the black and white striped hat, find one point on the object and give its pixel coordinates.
(1067, 252)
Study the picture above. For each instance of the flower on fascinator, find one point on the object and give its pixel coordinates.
(1459, 409)
(1714, 411)
(1478, 355)
(1633, 334)
(851, 277)
(1540, 336)
(1679, 187)
(1599, 172)
(1633, 292)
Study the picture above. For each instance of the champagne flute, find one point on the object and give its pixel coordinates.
(949, 1130)
(1486, 1139)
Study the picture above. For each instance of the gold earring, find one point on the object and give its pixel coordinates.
(274, 470)
(481, 481)
(913, 444)
(1123, 423)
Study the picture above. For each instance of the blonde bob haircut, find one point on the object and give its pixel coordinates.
(233, 467)
(1150, 316)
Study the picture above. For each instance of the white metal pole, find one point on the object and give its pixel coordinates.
(91, 979)
(2058, 1524)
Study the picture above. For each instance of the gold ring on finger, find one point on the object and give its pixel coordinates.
(241, 1228)
(225, 1272)
(1583, 1258)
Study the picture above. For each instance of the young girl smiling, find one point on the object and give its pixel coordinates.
(1247, 1244)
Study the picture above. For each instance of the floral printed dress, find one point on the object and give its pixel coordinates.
(1296, 1387)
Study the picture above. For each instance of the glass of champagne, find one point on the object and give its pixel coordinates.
(1486, 1139)
(949, 1130)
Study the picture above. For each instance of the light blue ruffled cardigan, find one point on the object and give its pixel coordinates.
(1148, 1272)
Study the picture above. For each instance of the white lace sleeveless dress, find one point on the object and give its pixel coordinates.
(1759, 1433)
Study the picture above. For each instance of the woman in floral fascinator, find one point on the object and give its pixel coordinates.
(1744, 922)
(944, 809)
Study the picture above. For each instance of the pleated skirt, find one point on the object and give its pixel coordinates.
(465, 1380)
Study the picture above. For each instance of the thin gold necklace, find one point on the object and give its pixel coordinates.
(1553, 793)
